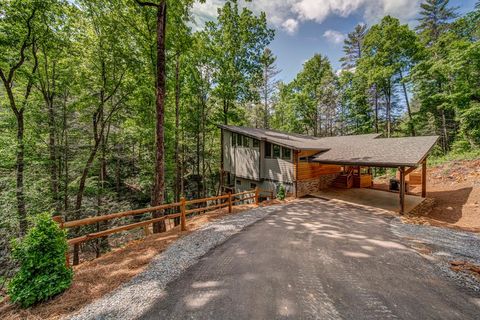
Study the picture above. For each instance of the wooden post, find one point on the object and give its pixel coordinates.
(257, 195)
(402, 190)
(424, 178)
(183, 218)
(229, 202)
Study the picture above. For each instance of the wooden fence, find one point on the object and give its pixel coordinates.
(227, 200)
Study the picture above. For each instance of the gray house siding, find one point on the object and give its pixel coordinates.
(249, 166)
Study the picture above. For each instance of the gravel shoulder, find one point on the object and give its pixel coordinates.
(441, 246)
(146, 288)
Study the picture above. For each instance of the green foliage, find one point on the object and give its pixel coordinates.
(41, 255)
(282, 192)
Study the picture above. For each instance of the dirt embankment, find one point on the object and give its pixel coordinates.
(455, 189)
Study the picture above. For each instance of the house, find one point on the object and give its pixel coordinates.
(266, 158)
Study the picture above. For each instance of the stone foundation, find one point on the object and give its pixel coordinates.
(315, 184)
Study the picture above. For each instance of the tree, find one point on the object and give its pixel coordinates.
(434, 18)
(236, 43)
(390, 51)
(314, 86)
(353, 46)
(269, 83)
(18, 65)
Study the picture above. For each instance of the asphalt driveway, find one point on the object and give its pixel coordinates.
(315, 259)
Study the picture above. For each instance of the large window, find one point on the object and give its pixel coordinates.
(286, 153)
(256, 143)
(276, 151)
(268, 150)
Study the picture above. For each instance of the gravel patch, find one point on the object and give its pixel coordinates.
(136, 297)
(446, 245)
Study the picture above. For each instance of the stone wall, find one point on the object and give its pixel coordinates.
(315, 184)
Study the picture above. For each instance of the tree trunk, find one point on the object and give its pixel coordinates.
(410, 118)
(265, 97)
(177, 188)
(444, 131)
(159, 184)
(21, 209)
(52, 147)
(376, 110)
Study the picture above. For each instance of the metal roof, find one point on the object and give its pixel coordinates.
(363, 150)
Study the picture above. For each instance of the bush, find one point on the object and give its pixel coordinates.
(281, 192)
(41, 255)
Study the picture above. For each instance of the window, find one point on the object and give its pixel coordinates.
(246, 142)
(238, 182)
(276, 151)
(234, 139)
(286, 153)
(304, 159)
(256, 143)
(253, 185)
(268, 150)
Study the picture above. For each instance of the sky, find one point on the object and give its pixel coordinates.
(305, 27)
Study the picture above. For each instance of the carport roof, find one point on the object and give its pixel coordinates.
(360, 150)
(381, 152)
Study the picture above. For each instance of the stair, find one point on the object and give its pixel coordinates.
(344, 181)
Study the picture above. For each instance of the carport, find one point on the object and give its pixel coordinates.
(405, 154)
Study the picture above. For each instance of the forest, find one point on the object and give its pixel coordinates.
(114, 105)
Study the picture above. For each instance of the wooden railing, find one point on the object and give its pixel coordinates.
(227, 200)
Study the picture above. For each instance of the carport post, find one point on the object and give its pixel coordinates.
(402, 190)
(424, 178)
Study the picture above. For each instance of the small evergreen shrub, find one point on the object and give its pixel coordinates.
(41, 256)
(281, 192)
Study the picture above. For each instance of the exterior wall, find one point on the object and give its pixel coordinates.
(245, 184)
(227, 151)
(277, 169)
(240, 161)
(307, 186)
(247, 163)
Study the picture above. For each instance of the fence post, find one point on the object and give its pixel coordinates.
(257, 195)
(230, 202)
(183, 218)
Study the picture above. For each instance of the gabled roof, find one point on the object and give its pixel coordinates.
(363, 150)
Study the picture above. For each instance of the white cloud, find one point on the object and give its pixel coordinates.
(290, 26)
(281, 14)
(334, 36)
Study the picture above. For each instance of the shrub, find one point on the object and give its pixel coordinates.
(281, 192)
(41, 255)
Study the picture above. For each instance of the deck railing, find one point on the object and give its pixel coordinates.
(227, 200)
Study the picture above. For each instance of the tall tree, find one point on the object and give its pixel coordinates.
(18, 65)
(269, 83)
(385, 62)
(159, 182)
(434, 18)
(315, 93)
(353, 46)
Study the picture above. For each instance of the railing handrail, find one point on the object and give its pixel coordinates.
(182, 205)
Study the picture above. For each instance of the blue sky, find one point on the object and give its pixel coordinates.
(305, 27)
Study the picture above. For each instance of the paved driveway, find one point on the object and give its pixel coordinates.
(315, 259)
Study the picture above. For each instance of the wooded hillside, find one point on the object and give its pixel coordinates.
(113, 105)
